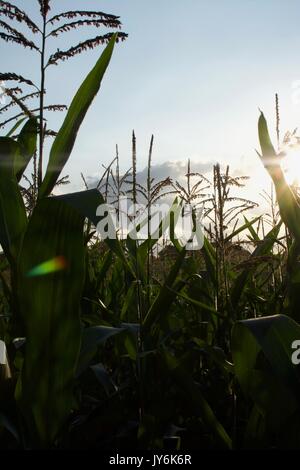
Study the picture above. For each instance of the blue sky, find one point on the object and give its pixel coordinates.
(192, 72)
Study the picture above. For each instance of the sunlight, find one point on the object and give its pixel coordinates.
(291, 159)
(291, 166)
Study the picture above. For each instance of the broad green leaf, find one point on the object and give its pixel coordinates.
(13, 219)
(49, 301)
(86, 203)
(91, 339)
(287, 201)
(27, 141)
(65, 139)
(262, 355)
(266, 145)
(293, 281)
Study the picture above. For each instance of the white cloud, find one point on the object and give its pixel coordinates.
(176, 170)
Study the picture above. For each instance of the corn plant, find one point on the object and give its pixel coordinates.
(94, 356)
(36, 39)
(44, 389)
(261, 347)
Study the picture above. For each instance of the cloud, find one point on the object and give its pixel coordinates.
(176, 170)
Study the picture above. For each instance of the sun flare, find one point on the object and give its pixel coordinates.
(291, 166)
(290, 153)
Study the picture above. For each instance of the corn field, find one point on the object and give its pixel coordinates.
(118, 343)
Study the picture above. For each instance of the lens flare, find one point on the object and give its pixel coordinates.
(291, 158)
(291, 167)
(58, 263)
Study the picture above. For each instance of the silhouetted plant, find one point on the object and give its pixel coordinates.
(45, 30)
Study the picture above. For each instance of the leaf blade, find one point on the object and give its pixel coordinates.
(65, 139)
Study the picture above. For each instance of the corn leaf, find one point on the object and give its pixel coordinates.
(49, 300)
(192, 393)
(16, 126)
(268, 151)
(86, 204)
(210, 260)
(246, 225)
(262, 350)
(91, 339)
(27, 141)
(288, 204)
(254, 235)
(165, 297)
(261, 250)
(65, 139)
(13, 219)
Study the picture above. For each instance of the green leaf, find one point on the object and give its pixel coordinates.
(253, 233)
(197, 303)
(192, 393)
(91, 339)
(27, 141)
(165, 297)
(262, 355)
(65, 139)
(139, 252)
(104, 378)
(266, 145)
(49, 300)
(287, 201)
(210, 260)
(293, 281)
(13, 219)
(16, 126)
(255, 434)
(171, 217)
(217, 354)
(242, 228)
(105, 266)
(261, 250)
(128, 300)
(86, 203)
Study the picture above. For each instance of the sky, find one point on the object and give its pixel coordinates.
(194, 73)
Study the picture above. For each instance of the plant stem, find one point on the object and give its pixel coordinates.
(149, 218)
(41, 123)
